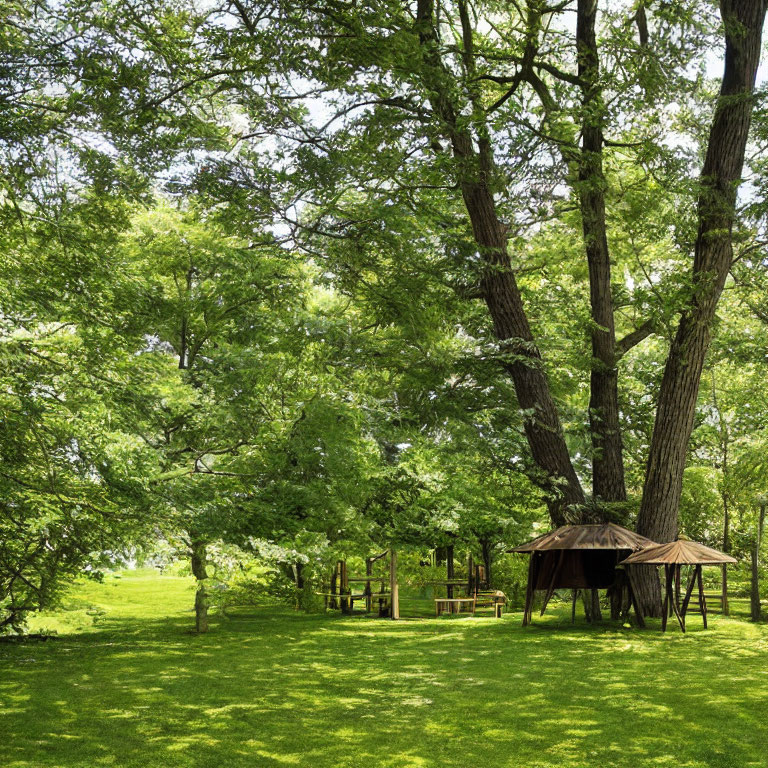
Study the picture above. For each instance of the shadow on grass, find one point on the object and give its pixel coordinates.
(280, 688)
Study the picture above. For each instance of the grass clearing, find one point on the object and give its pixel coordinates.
(126, 684)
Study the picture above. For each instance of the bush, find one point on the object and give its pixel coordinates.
(509, 573)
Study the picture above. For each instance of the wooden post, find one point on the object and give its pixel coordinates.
(632, 598)
(481, 578)
(334, 584)
(449, 569)
(346, 603)
(394, 596)
(688, 592)
(368, 572)
(574, 595)
(551, 587)
(471, 576)
(702, 599)
(665, 608)
(675, 598)
(529, 590)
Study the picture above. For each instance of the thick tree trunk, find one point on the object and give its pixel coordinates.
(607, 459)
(591, 601)
(524, 364)
(743, 20)
(498, 285)
(198, 562)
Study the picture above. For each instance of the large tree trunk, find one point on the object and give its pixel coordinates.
(498, 284)
(607, 460)
(510, 324)
(743, 21)
(198, 561)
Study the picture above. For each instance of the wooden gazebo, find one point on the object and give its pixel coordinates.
(579, 557)
(673, 556)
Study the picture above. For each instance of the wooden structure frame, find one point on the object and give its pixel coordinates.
(673, 556)
(580, 557)
(474, 572)
(388, 594)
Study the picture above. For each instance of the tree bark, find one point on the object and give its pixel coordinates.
(198, 562)
(486, 546)
(591, 601)
(524, 363)
(743, 22)
(499, 287)
(607, 459)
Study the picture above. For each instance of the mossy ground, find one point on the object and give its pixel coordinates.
(126, 684)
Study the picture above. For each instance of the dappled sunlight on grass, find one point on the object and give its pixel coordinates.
(137, 689)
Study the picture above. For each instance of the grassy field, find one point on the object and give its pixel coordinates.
(126, 684)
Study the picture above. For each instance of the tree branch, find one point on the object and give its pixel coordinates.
(633, 338)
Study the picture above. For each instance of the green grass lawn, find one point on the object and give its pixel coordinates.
(126, 684)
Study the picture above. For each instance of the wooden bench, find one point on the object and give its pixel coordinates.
(491, 598)
(453, 604)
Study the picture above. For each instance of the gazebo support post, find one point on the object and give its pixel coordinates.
(574, 596)
(689, 590)
(449, 570)
(702, 599)
(676, 601)
(551, 587)
(672, 574)
(632, 598)
(616, 592)
(529, 590)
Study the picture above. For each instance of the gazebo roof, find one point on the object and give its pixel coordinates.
(597, 536)
(681, 552)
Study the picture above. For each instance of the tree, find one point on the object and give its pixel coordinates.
(430, 73)
(416, 150)
(204, 306)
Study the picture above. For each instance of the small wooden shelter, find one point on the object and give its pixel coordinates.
(580, 557)
(673, 556)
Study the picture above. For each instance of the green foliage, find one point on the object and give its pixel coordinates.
(240, 288)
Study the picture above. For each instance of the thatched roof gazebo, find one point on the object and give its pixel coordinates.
(673, 556)
(580, 557)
